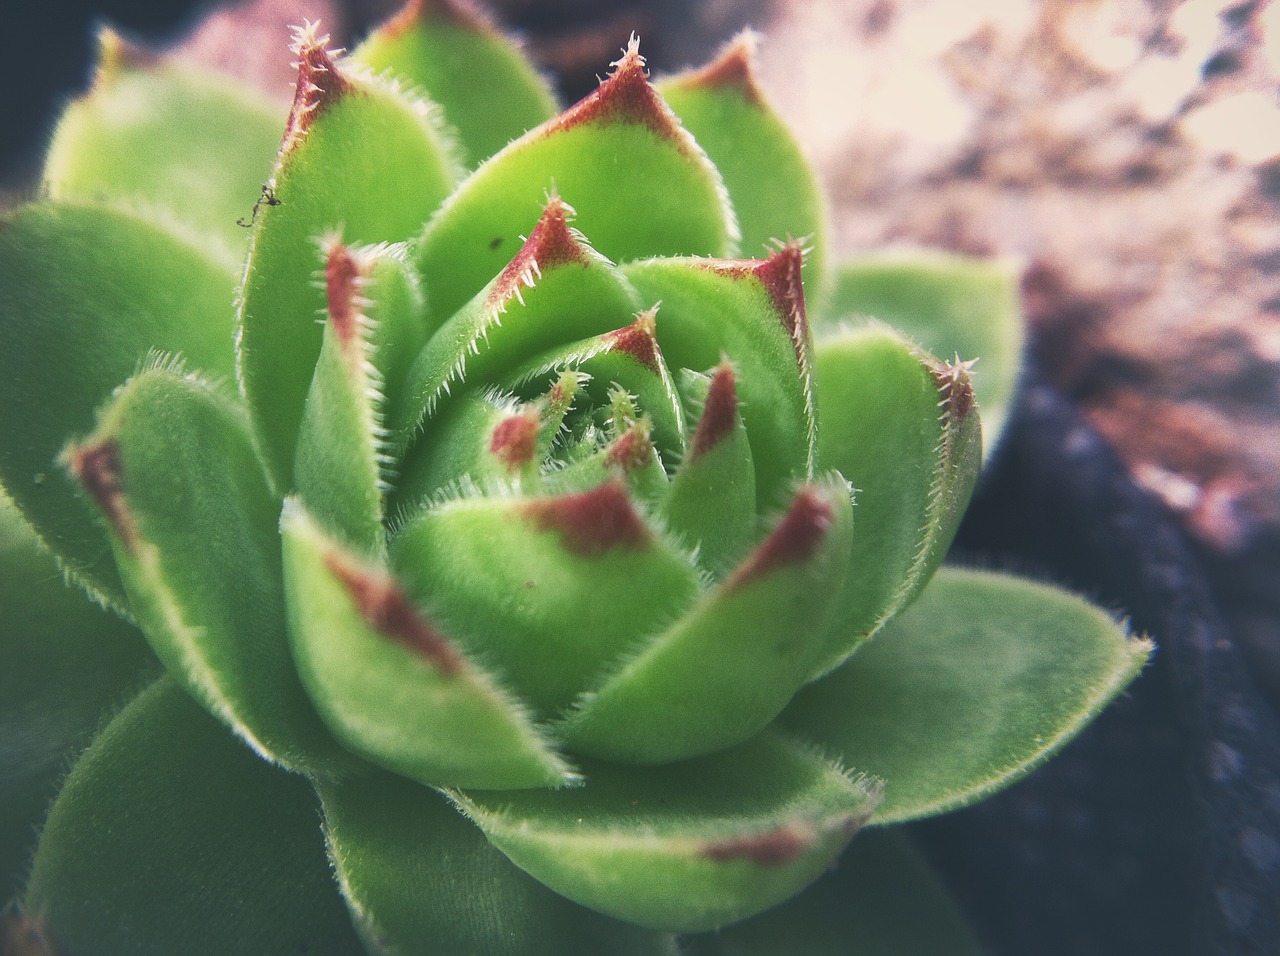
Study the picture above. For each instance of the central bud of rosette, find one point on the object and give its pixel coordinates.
(606, 537)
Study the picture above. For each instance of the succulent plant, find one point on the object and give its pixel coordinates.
(510, 545)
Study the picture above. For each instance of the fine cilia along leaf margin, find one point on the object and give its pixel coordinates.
(541, 508)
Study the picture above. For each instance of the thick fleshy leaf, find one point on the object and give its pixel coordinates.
(711, 502)
(881, 898)
(421, 879)
(952, 306)
(344, 467)
(193, 525)
(774, 190)
(78, 315)
(359, 156)
(903, 428)
(392, 685)
(641, 184)
(724, 670)
(687, 846)
(751, 312)
(171, 837)
(551, 590)
(977, 682)
(63, 663)
(556, 291)
(166, 135)
(489, 92)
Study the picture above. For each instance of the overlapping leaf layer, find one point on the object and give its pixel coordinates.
(507, 489)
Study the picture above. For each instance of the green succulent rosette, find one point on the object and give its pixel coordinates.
(506, 528)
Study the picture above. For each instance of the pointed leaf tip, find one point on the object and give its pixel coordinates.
(780, 274)
(386, 609)
(719, 413)
(955, 386)
(342, 276)
(633, 449)
(515, 439)
(98, 469)
(592, 523)
(639, 340)
(733, 69)
(552, 243)
(794, 540)
(625, 97)
(319, 83)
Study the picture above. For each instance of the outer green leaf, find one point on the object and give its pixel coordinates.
(169, 837)
(687, 846)
(194, 529)
(980, 680)
(881, 899)
(360, 157)
(63, 664)
(165, 134)
(551, 589)
(751, 312)
(489, 92)
(85, 294)
(422, 881)
(952, 306)
(392, 686)
(902, 427)
(641, 185)
(774, 189)
(374, 328)
(724, 670)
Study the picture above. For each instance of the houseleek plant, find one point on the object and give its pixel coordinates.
(512, 533)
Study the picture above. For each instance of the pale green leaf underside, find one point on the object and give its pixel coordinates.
(169, 836)
(982, 678)
(686, 846)
(421, 880)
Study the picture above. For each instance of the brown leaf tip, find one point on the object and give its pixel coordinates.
(794, 540)
(98, 469)
(343, 277)
(719, 413)
(117, 56)
(633, 449)
(593, 522)
(639, 340)
(319, 83)
(461, 13)
(624, 97)
(734, 69)
(386, 609)
(781, 276)
(955, 387)
(515, 439)
(552, 243)
(776, 847)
